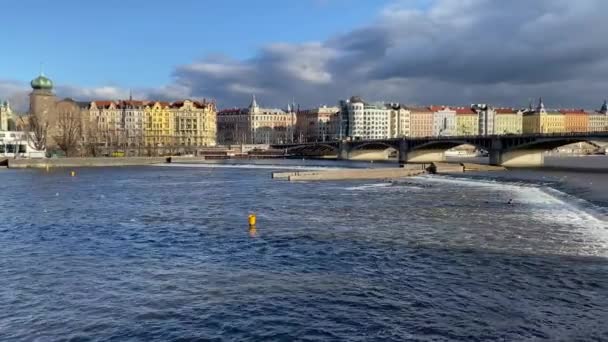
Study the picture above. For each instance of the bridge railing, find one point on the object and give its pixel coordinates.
(462, 137)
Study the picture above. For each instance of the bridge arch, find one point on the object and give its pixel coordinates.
(548, 144)
(445, 145)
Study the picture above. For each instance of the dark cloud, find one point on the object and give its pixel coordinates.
(454, 51)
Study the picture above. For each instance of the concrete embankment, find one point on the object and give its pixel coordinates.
(83, 162)
(482, 167)
(356, 174)
(447, 168)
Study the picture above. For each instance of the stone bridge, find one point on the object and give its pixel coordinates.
(505, 150)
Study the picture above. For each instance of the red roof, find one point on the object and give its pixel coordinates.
(438, 108)
(573, 111)
(505, 111)
(103, 104)
(465, 111)
(419, 109)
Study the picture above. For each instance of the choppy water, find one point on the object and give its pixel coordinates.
(164, 253)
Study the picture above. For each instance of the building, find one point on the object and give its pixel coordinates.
(195, 123)
(467, 122)
(575, 120)
(17, 144)
(159, 125)
(399, 121)
(542, 121)
(507, 121)
(256, 125)
(598, 120)
(7, 119)
(318, 124)
(367, 121)
(444, 121)
(421, 122)
(132, 115)
(486, 119)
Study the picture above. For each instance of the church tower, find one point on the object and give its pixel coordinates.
(42, 99)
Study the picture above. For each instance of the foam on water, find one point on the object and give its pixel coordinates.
(547, 204)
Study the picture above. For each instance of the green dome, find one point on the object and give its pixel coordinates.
(42, 82)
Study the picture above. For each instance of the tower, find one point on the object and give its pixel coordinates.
(253, 107)
(541, 107)
(604, 109)
(42, 99)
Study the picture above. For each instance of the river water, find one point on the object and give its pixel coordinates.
(165, 253)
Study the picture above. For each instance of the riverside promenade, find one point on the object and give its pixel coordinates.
(84, 162)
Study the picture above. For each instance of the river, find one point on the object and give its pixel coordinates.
(165, 253)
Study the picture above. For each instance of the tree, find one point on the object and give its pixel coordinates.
(68, 132)
(36, 130)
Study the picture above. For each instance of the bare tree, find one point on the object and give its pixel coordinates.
(68, 133)
(36, 130)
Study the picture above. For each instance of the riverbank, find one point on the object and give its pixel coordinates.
(83, 162)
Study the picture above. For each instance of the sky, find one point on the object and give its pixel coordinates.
(453, 52)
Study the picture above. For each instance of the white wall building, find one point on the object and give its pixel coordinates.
(6, 116)
(399, 121)
(444, 121)
(12, 142)
(367, 121)
(487, 118)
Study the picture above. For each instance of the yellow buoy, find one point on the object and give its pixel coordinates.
(252, 220)
(73, 173)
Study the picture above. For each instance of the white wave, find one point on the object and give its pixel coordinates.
(549, 205)
(368, 186)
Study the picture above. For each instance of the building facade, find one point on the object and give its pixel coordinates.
(195, 123)
(542, 121)
(318, 124)
(7, 120)
(508, 121)
(399, 121)
(159, 125)
(421, 122)
(467, 122)
(575, 120)
(486, 118)
(444, 121)
(367, 121)
(256, 125)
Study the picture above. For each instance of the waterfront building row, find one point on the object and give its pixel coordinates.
(256, 125)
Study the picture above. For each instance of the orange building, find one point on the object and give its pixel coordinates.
(421, 122)
(576, 120)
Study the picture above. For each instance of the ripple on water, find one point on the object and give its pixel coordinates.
(165, 254)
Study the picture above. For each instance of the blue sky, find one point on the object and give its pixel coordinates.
(138, 43)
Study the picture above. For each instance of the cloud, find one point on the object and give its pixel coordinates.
(417, 52)
(450, 51)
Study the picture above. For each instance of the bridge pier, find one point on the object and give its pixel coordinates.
(517, 158)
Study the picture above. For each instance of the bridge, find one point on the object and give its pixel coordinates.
(505, 150)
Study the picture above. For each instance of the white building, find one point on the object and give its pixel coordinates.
(487, 118)
(6, 116)
(444, 121)
(367, 121)
(399, 121)
(12, 142)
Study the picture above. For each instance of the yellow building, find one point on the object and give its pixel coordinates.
(508, 121)
(467, 122)
(195, 123)
(598, 121)
(159, 125)
(541, 121)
